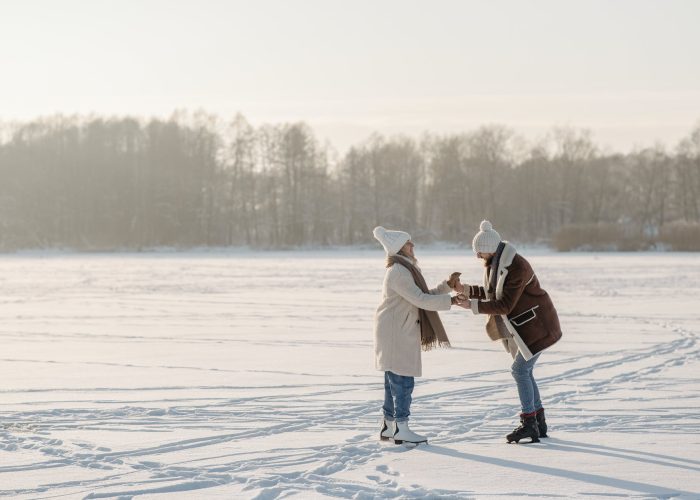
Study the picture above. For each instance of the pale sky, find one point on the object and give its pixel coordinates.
(627, 69)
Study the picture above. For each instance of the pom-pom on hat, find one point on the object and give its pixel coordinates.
(392, 241)
(486, 240)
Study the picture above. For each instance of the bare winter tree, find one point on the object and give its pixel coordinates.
(113, 183)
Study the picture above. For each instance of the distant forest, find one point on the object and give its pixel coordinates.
(102, 183)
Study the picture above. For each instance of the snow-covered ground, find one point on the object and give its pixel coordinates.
(248, 375)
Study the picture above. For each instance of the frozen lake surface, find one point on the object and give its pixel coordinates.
(246, 375)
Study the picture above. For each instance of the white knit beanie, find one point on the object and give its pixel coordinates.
(486, 240)
(392, 241)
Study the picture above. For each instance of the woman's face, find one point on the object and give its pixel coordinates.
(486, 257)
(407, 249)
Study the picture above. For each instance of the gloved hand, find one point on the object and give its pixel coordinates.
(454, 282)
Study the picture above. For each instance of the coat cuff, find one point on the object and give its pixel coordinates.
(474, 305)
(444, 288)
(449, 301)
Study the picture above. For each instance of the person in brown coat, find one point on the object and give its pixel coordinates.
(521, 315)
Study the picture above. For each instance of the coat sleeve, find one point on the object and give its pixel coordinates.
(475, 291)
(441, 288)
(513, 288)
(402, 283)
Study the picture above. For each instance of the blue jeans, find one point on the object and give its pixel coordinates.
(397, 396)
(527, 387)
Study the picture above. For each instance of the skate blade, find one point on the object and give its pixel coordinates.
(517, 441)
(410, 444)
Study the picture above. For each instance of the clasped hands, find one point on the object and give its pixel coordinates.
(461, 298)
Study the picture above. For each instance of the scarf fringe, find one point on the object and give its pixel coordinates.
(435, 343)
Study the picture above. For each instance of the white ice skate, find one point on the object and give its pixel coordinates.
(405, 435)
(387, 430)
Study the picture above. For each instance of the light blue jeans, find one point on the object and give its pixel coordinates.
(527, 387)
(397, 396)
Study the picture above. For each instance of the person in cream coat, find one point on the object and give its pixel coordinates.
(405, 323)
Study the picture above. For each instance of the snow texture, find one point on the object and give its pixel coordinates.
(245, 375)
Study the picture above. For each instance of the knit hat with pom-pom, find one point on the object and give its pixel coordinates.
(486, 240)
(392, 241)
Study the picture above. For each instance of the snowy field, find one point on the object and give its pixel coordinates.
(245, 375)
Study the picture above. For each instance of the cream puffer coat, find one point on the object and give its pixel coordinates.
(397, 346)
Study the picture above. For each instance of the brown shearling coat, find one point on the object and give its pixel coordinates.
(520, 298)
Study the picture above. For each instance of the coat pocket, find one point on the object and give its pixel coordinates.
(407, 322)
(524, 317)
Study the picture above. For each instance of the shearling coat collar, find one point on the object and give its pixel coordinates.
(498, 325)
(507, 256)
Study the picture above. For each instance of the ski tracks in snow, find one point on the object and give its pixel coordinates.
(304, 436)
(300, 469)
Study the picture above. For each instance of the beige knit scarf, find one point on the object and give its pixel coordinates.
(432, 332)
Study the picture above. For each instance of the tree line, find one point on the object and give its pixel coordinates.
(105, 183)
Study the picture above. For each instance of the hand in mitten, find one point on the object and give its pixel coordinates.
(458, 299)
(461, 300)
(454, 282)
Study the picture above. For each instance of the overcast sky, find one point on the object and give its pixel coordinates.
(627, 69)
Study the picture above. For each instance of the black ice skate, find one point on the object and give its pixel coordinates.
(527, 429)
(541, 423)
(387, 430)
